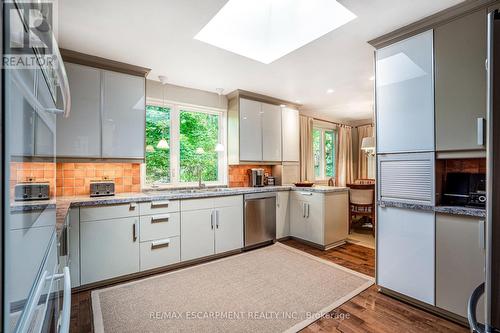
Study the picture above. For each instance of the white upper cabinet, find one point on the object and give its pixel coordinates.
(79, 135)
(271, 133)
(123, 116)
(405, 95)
(250, 130)
(290, 127)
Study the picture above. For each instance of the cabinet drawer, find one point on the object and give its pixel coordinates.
(197, 204)
(159, 207)
(229, 201)
(160, 253)
(108, 212)
(159, 226)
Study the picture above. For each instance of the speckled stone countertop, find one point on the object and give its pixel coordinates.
(65, 203)
(455, 210)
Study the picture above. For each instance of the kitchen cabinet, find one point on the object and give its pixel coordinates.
(74, 246)
(460, 75)
(460, 261)
(282, 215)
(211, 226)
(271, 132)
(107, 118)
(405, 95)
(123, 116)
(79, 135)
(290, 131)
(160, 252)
(250, 130)
(406, 252)
(319, 218)
(109, 248)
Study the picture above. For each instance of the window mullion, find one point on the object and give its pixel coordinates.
(323, 155)
(174, 145)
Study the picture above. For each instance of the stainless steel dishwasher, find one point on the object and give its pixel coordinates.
(260, 219)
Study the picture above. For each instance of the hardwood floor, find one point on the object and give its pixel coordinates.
(370, 311)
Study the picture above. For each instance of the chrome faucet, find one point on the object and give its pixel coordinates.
(200, 183)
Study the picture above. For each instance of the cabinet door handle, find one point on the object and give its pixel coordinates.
(217, 219)
(304, 209)
(134, 231)
(132, 206)
(212, 220)
(160, 244)
(480, 131)
(160, 219)
(482, 238)
(308, 210)
(159, 204)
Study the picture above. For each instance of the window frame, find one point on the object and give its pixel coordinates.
(174, 144)
(323, 128)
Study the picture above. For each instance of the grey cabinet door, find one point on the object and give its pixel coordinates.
(405, 95)
(123, 116)
(271, 132)
(79, 135)
(45, 122)
(21, 119)
(460, 262)
(250, 130)
(460, 79)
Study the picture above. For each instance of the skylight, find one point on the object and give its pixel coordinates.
(266, 30)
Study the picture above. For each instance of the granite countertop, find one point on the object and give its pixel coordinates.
(455, 210)
(65, 203)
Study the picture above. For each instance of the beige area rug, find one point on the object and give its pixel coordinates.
(273, 289)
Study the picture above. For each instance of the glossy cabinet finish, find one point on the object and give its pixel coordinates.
(160, 252)
(406, 252)
(405, 95)
(271, 133)
(460, 82)
(250, 130)
(460, 261)
(228, 228)
(123, 116)
(290, 130)
(79, 135)
(108, 248)
(282, 215)
(197, 234)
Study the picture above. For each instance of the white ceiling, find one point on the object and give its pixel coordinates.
(158, 34)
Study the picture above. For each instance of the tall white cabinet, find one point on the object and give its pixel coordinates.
(405, 124)
(290, 131)
(405, 95)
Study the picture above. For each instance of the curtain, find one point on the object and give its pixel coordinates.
(344, 157)
(363, 161)
(306, 151)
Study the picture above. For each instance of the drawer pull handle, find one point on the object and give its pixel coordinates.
(160, 244)
(160, 204)
(132, 206)
(306, 193)
(160, 219)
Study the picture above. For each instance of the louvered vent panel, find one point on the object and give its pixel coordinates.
(407, 180)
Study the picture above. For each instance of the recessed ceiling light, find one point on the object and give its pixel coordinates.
(267, 30)
(282, 105)
(330, 91)
(372, 78)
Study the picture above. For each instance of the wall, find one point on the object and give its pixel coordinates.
(74, 178)
(155, 90)
(238, 174)
(32, 171)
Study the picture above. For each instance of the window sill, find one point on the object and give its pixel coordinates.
(183, 186)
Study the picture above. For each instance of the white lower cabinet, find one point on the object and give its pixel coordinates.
(216, 228)
(108, 248)
(197, 234)
(160, 252)
(320, 218)
(282, 215)
(406, 252)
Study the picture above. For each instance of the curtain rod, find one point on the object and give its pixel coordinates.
(331, 122)
(370, 124)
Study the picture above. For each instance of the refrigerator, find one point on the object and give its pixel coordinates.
(490, 289)
(36, 290)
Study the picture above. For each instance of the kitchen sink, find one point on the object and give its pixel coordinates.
(191, 190)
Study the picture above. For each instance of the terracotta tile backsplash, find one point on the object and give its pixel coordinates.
(32, 171)
(74, 178)
(68, 179)
(238, 174)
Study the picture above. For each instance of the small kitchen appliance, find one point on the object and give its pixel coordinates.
(270, 181)
(102, 188)
(29, 191)
(256, 176)
(465, 189)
